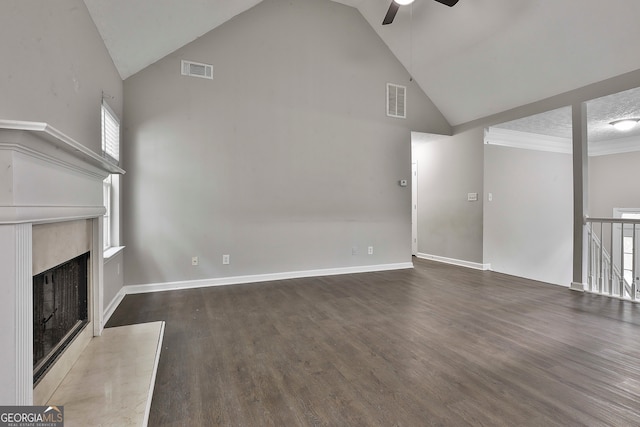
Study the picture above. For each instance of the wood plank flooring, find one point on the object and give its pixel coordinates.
(436, 345)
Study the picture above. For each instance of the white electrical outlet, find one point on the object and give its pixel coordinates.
(370, 250)
(225, 259)
(194, 260)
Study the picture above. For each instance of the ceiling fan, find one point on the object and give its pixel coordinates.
(395, 5)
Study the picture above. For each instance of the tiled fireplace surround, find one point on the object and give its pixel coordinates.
(50, 211)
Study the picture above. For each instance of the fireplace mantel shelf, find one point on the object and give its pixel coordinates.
(47, 176)
(61, 141)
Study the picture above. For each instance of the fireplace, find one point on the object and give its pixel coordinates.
(51, 212)
(60, 311)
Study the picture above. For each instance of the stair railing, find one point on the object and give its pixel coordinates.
(607, 261)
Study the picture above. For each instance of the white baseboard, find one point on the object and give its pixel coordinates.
(577, 286)
(459, 262)
(237, 280)
(115, 302)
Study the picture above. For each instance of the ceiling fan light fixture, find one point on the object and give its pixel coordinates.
(624, 124)
(403, 2)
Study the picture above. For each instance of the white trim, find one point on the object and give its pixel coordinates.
(97, 277)
(578, 287)
(152, 383)
(60, 140)
(614, 146)
(23, 315)
(526, 140)
(115, 302)
(111, 252)
(538, 142)
(63, 164)
(237, 280)
(453, 261)
(47, 214)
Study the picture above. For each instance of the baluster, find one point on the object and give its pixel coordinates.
(590, 258)
(633, 264)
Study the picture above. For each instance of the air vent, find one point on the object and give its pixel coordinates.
(396, 101)
(196, 69)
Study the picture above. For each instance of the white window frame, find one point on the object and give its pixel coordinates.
(106, 227)
(110, 132)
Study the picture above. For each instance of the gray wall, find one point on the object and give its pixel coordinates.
(528, 227)
(285, 160)
(449, 225)
(613, 183)
(55, 67)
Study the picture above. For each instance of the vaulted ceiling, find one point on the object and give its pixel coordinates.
(475, 59)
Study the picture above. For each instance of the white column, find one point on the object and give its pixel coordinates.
(97, 275)
(16, 315)
(580, 195)
(24, 315)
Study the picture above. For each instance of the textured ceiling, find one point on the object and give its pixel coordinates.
(600, 112)
(475, 59)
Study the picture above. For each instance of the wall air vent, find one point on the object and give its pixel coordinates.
(396, 101)
(196, 69)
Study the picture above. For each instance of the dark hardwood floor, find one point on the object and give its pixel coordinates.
(436, 345)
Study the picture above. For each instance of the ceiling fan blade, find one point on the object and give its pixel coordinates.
(449, 3)
(391, 13)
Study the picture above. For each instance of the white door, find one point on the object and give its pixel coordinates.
(414, 208)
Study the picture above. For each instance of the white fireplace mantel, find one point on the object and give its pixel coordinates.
(45, 177)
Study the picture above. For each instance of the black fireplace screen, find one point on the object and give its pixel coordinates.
(59, 310)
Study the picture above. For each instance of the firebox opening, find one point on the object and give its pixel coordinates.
(60, 311)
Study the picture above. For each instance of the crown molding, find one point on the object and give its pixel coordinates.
(553, 144)
(526, 140)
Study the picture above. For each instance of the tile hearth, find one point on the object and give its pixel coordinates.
(112, 382)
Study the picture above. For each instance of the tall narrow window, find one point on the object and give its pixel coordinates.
(110, 134)
(111, 151)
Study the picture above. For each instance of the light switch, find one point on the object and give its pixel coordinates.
(472, 197)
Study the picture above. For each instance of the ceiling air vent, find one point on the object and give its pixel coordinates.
(396, 101)
(196, 69)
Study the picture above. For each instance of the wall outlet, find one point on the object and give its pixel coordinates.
(370, 250)
(194, 260)
(226, 259)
